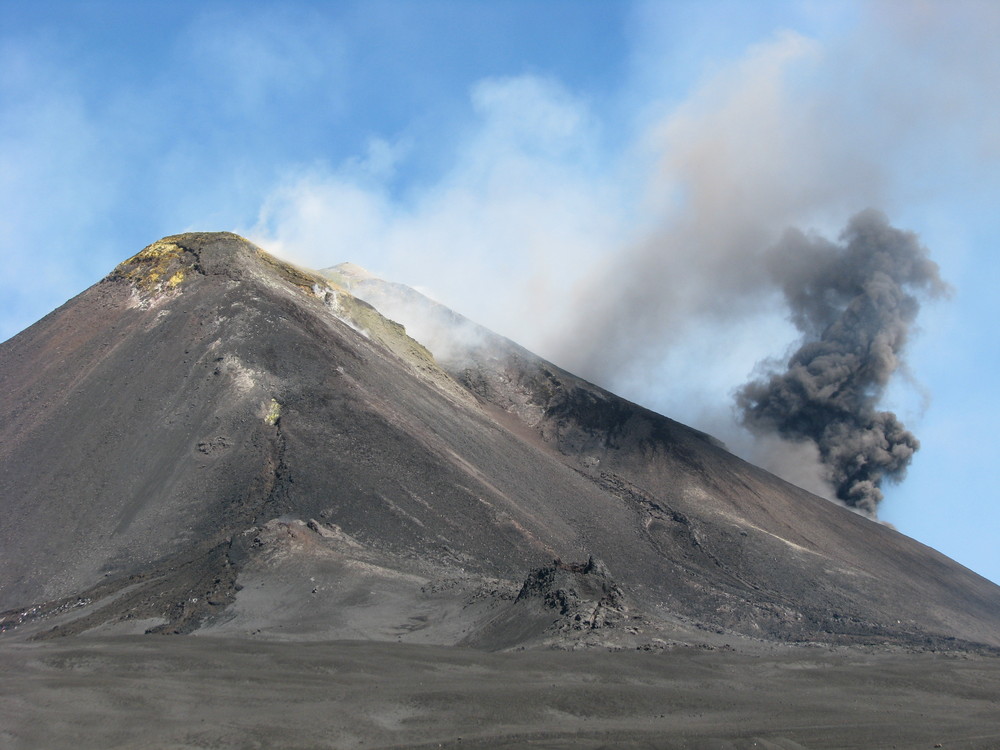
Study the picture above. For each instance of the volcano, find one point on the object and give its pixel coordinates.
(215, 444)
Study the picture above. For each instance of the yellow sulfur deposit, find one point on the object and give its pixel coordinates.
(158, 267)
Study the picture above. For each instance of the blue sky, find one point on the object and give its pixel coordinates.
(526, 162)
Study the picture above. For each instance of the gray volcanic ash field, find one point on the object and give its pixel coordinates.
(242, 508)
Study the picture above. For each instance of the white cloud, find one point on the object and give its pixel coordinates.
(521, 212)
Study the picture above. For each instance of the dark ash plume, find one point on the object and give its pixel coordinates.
(854, 304)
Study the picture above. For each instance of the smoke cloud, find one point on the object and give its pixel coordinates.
(854, 304)
(735, 163)
(637, 241)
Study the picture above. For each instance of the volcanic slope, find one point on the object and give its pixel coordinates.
(213, 440)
